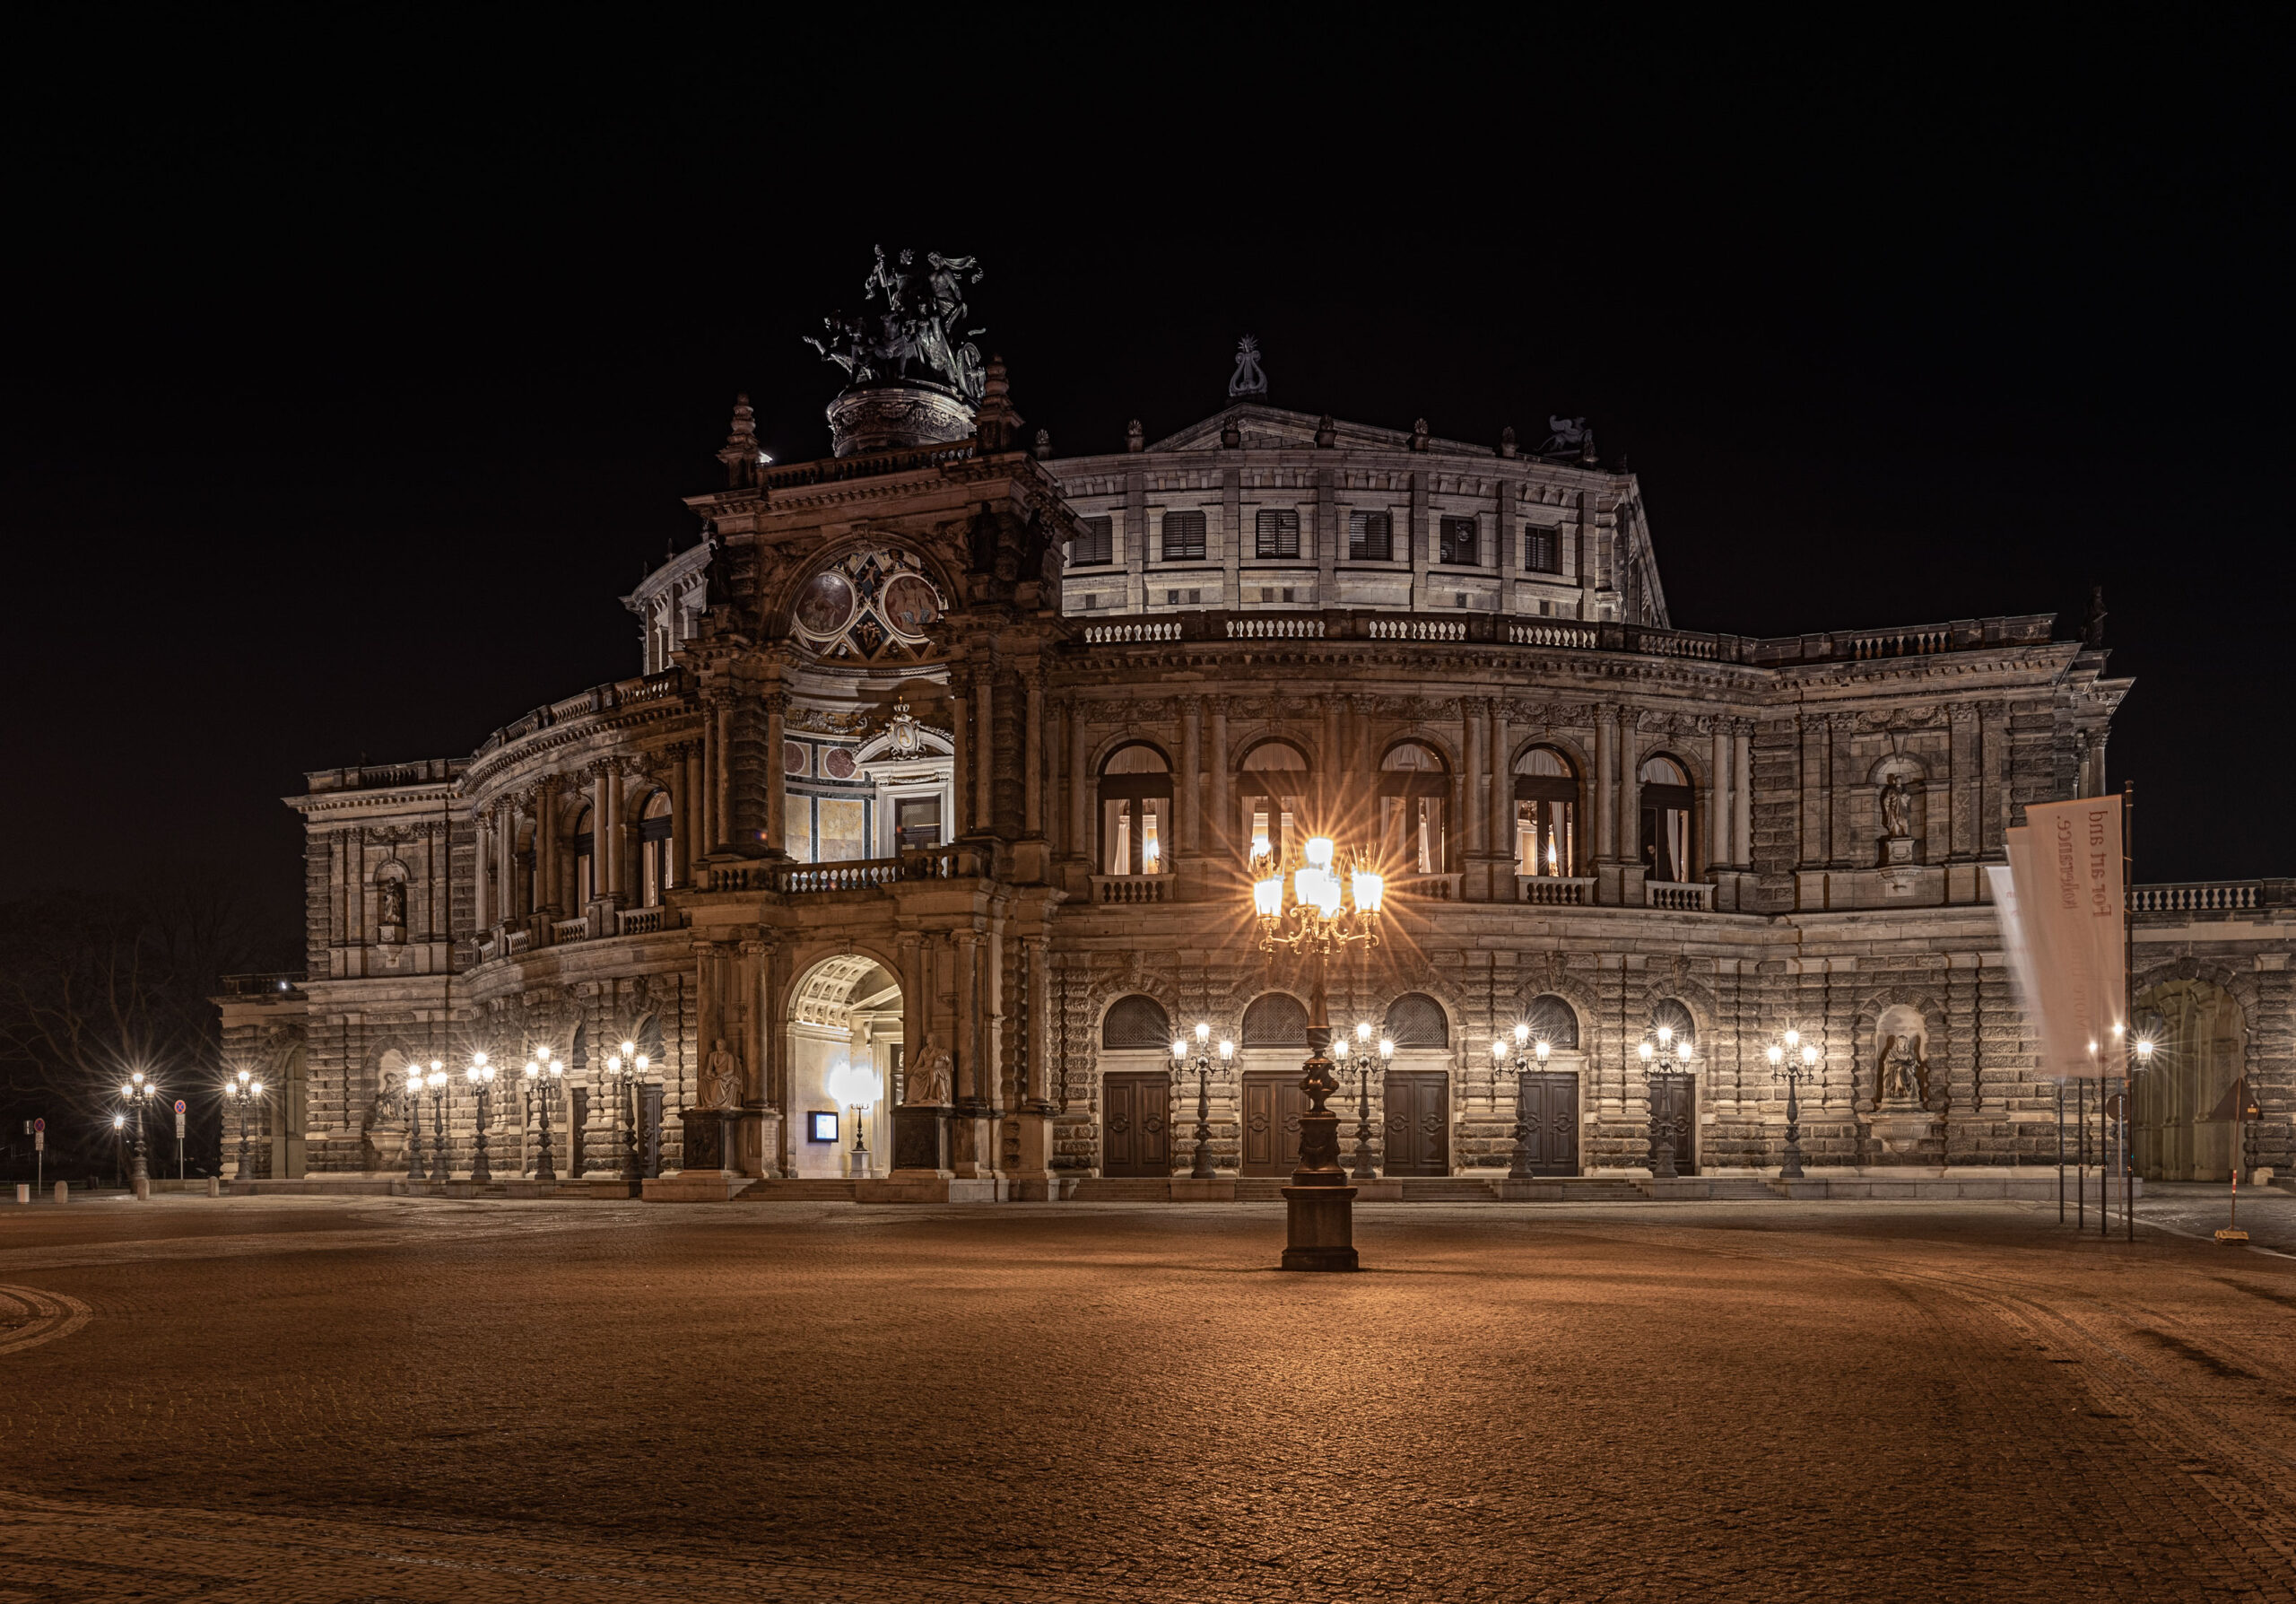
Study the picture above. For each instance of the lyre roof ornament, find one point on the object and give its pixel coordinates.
(1247, 379)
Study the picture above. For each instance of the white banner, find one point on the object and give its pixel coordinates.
(2067, 913)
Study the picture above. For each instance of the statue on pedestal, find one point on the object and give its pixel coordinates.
(1902, 1075)
(721, 1079)
(1897, 808)
(930, 1078)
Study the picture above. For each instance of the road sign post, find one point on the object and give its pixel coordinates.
(39, 1150)
(180, 1138)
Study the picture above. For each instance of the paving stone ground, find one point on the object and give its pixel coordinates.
(403, 1400)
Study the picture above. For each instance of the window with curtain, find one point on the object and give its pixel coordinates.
(1546, 813)
(1414, 787)
(1277, 533)
(1455, 541)
(1183, 537)
(1371, 536)
(1136, 810)
(1666, 836)
(1272, 790)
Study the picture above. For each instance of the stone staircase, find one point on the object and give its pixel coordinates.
(1448, 1188)
(797, 1191)
(1121, 1189)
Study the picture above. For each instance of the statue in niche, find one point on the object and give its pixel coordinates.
(1902, 1075)
(392, 903)
(929, 1076)
(721, 1078)
(1897, 808)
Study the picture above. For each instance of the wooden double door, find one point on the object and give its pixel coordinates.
(1273, 1104)
(1418, 1122)
(1549, 1113)
(1136, 1124)
(1674, 1115)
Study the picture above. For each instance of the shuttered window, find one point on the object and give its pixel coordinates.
(1371, 536)
(1455, 542)
(1278, 533)
(1183, 537)
(1095, 544)
(1541, 552)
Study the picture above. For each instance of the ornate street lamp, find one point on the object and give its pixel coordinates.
(415, 1124)
(542, 1090)
(1525, 1051)
(481, 1076)
(136, 1090)
(1661, 1063)
(629, 1068)
(1321, 915)
(1202, 1168)
(1363, 1064)
(858, 1086)
(436, 1081)
(1796, 1061)
(245, 1091)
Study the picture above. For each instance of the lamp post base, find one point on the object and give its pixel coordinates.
(1319, 1228)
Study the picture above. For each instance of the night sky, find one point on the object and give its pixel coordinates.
(338, 415)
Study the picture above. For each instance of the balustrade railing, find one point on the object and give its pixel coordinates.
(2212, 896)
(1555, 891)
(1132, 888)
(564, 930)
(1678, 896)
(1123, 634)
(857, 874)
(1280, 627)
(278, 983)
(1438, 888)
(1417, 629)
(641, 921)
(1580, 637)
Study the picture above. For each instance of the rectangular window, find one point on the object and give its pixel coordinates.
(1095, 544)
(1455, 541)
(1371, 536)
(1184, 599)
(1541, 552)
(1183, 537)
(1278, 532)
(916, 824)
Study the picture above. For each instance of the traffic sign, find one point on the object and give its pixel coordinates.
(180, 1105)
(38, 1126)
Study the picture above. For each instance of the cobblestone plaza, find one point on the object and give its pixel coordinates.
(340, 1399)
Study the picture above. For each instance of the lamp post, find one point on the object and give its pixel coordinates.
(136, 1090)
(1321, 915)
(415, 1122)
(1518, 1168)
(481, 1076)
(436, 1081)
(1661, 1063)
(1365, 1064)
(244, 1091)
(1202, 1169)
(857, 1085)
(1796, 1061)
(629, 1068)
(542, 1090)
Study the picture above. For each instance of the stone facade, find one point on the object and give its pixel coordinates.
(954, 745)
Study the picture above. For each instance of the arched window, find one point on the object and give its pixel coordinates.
(1666, 834)
(586, 861)
(1675, 1018)
(1553, 1021)
(1136, 1023)
(1413, 787)
(1546, 813)
(1275, 1020)
(1272, 787)
(653, 849)
(1415, 1019)
(1136, 810)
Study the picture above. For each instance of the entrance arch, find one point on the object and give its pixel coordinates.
(2200, 1048)
(844, 1011)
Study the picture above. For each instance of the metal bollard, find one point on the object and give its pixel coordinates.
(214, 1187)
(64, 1192)
(24, 1192)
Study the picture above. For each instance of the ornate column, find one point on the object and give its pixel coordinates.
(1503, 801)
(1842, 776)
(1607, 784)
(601, 829)
(1033, 793)
(1963, 789)
(960, 759)
(1222, 824)
(777, 801)
(1630, 788)
(916, 1017)
(1185, 792)
(1720, 811)
(1475, 791)
(680, 838)
(508, 841)
(1741, 773)
(721, 776)
(1080, 785)
(482, 887)
(984, 765)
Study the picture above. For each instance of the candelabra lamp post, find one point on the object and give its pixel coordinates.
(1796, 1061)
(1526, 1052)
(542, 1085)
(413, 1093)
(1321, 915)
(1664, 1061)
(244, 1091)
(436, 1081)
(628, 1068)
(857, 1086)
(1202, 1169)
(1363, 1064)
(481, 1076)
(136, 1090)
